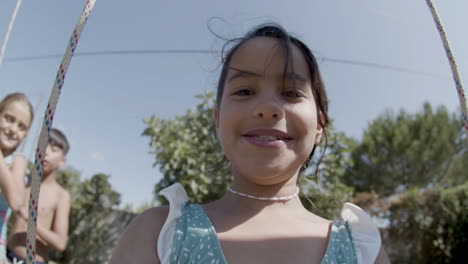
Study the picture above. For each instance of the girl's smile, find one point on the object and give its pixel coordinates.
(269, 138)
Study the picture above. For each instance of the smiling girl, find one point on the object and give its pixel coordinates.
(271, 112)
(16, 115)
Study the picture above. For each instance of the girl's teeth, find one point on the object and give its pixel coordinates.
(266, 138)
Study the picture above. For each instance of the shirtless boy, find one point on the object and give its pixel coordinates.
(54, 208)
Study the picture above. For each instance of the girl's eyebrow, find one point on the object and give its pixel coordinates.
(296, 76)
(242, 73)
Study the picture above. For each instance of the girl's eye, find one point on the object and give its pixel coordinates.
(292, 94)
(243, 92)
(9, 118)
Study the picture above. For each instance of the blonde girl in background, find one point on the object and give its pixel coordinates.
(16, 115)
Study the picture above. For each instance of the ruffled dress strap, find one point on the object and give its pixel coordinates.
(195, 239)
(340, 247)
(177, 198)
(364, 232)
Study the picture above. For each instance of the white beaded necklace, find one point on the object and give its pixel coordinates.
(281, 198)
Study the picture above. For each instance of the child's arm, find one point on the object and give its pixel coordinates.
(12, 181)
(138, 243)
(58, 236)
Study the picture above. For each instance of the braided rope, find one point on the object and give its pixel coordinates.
(44, 136)
(453, 65)
(10, 26)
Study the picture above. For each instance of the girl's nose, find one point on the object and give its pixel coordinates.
(273, 115)
(14, 129)
(269, 108)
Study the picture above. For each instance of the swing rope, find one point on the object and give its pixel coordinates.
(44, 136)
(10, 26)
(453, 65)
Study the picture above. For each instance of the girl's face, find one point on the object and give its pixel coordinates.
(15, 120)
(267, 125)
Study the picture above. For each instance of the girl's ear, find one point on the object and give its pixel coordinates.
(318, 135)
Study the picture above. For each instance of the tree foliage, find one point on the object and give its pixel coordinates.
(429, 226)
(186, 152)
(323, 190)
(409, 150)
(92, 201)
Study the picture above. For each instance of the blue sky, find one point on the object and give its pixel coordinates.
(105, 98)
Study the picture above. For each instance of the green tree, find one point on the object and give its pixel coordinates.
(409, 150)
(429, 226)
(89, 233)
(186, 152)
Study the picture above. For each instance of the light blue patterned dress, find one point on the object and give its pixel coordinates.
(188, 236)
(195, 241)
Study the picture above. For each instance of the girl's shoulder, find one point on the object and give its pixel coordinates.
(138, 242)
(151, 230)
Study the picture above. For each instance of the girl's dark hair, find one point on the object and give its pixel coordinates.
(286, 42)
